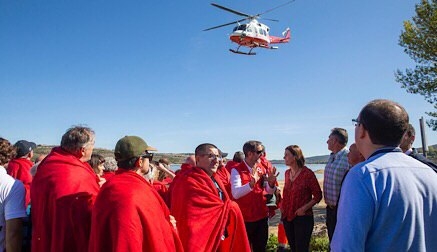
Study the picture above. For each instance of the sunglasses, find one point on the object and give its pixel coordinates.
(259, 152)
(148, 156)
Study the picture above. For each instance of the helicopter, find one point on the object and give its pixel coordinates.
(252, 33)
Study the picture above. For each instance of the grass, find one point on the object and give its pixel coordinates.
(317, 243)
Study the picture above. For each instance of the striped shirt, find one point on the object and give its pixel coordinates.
(334, 172)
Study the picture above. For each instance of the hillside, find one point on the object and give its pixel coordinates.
(175, 158)
(178, 158)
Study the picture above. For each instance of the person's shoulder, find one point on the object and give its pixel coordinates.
(307, 170)
(343, 152)
(6, 179)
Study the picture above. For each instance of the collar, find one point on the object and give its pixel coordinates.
(408, 152)
(386, 149)
(248, 167)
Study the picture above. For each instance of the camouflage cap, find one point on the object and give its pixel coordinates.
(131, 146)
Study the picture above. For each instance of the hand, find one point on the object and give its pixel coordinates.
(102, 180)
(172, 221)
(300, 212)
(255, 178)
(271, 177)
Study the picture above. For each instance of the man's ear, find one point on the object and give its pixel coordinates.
(81, 152)
(361, 132)
(139, 162)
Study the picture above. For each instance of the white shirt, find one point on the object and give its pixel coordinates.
(239, 190)
(11, 202)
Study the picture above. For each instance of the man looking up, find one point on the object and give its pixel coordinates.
(207, 219)
(390, 199)
(63, 193)
(407, 147)
(249, 181)
(19, 167)
(129, 215)
(335, 170)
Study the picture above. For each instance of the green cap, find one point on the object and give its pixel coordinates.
(131, 146)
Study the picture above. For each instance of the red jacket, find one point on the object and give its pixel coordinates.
(231, 164)
(129, 215)
(108, 174)
(19, 168)
(63, 193)
(252, 205)
(202, 216)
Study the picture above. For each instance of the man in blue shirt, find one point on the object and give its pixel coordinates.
(407, 147)
(387, 201)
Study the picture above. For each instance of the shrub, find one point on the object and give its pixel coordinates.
(272, 243)
(319, 243)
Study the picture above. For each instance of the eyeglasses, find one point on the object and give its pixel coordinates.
(356, 122)
(212, 156)
(148, 156)
(259, 152)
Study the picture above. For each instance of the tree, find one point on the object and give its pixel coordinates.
(419, 40)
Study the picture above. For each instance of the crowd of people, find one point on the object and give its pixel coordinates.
(379, 194)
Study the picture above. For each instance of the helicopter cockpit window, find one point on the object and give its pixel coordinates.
(240, 27)
(263, 32)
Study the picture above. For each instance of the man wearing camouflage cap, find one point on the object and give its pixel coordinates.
(128, 210)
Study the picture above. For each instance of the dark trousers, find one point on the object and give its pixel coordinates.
(258, 232)
(331, 220)
(298, 232)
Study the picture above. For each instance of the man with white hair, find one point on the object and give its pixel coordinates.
(63, 192)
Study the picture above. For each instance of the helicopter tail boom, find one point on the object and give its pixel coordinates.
(285, 39)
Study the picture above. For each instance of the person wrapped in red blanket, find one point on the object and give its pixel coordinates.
(129, 215)
(207, 219)
(62, 194)
(19, 167)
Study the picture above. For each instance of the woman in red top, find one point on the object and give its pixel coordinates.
(301, 192)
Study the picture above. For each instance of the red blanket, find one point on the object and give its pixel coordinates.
(202, 217)
(19, 168)
(225, 178)
(129, 215)
(63, 193)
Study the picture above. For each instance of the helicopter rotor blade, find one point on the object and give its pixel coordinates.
(275, 20)
(218, 26)
(277, 7)
(231, 10)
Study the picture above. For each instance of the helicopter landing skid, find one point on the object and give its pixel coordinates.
(244, 53)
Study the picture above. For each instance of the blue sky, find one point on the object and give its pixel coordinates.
(147, 68)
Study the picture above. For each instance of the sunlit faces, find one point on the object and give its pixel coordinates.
(87, 151)
(354, 156)
(289, 158)
(254, 156)
(144, 165)
(208, 161)
(101, 168)
(331, 142)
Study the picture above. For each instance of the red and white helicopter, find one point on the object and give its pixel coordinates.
(252, 33)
